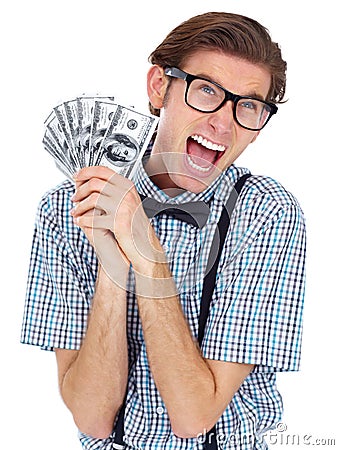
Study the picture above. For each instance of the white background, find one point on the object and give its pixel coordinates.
(53, 51)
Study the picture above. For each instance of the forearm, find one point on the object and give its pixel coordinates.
(195, 391)
(94, 385)
(183, 378)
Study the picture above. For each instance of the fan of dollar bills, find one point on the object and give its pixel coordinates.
(91, 131)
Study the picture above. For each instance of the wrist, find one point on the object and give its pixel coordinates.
(111, 280)
(149, 257)
(155, 281)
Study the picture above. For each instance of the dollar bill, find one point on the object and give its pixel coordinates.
(85, 110)
(56, 133)
(59, 158)
(126, 140)
(103, 113)
(60, 112)
(71, 111)
(88, 131)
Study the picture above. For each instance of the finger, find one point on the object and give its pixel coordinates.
(85, 188)
(94, 201)
(88, 230)
(94, 221)
(86, 173)
(113, 186)
(100, 172)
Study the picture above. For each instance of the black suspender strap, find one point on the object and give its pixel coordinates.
(118, 442)
(207, 292)
(210, 277)
(215, 253)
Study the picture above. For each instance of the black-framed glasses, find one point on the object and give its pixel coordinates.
(207, 96)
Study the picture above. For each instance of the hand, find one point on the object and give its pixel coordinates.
(111, 258)
(109, 207)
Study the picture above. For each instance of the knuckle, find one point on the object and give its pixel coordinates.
(106, 171)
(130, 190)
(94, 198)
(94, 184)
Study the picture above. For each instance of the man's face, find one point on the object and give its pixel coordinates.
(195, 147)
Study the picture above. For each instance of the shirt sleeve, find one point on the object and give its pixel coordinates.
(61, 277)
(256, 311)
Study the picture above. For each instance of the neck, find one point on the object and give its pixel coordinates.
(156, 170)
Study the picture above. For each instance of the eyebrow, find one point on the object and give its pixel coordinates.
(253, 94)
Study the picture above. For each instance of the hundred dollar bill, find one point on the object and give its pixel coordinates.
(126, 140)
(56, 133)
(103, 113)
(85, 107)
(96, 131)
(59, 158)
(60, 112)
(71, 111)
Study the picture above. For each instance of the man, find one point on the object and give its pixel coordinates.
(117, 296)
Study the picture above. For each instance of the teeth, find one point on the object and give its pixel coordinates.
(208, 144)
(196, 167)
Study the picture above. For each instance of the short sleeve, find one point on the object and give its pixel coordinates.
(61, 278)
(256, 314)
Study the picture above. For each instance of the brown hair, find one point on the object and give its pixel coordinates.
(232, 34)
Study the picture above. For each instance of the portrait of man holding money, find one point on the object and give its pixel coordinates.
(169, 281)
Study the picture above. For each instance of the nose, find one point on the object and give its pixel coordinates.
(222, 120)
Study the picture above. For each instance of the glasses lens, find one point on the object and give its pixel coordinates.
(252, 113)
(204, 95)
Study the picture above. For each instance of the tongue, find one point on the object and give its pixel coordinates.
(200, 155)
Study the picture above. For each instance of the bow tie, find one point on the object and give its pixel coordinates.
(195, 213)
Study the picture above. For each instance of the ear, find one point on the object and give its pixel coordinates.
(156, 86)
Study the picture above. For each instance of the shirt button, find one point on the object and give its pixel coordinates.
(160, 410)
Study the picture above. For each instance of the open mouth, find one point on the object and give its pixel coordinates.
(202, 155)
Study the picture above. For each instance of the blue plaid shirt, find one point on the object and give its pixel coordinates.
(255, 315)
